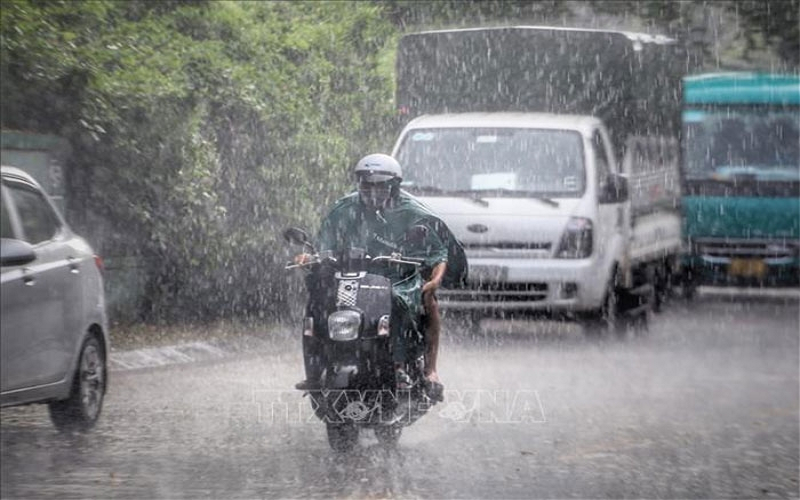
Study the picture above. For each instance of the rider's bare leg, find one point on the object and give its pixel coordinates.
(432, 331)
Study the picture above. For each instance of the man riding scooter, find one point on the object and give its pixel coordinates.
(377, 218)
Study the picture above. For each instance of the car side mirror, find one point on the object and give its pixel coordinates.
(614, 189)
(16, 252)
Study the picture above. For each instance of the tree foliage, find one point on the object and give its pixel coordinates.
(199, 129)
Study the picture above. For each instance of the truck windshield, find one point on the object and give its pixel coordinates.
(503, 162)
(727, 144)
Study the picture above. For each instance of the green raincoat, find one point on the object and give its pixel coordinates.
(351, 225)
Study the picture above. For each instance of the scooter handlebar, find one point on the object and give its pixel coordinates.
(393, 259)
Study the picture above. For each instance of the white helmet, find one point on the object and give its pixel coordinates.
(378, 168)
(379, 179)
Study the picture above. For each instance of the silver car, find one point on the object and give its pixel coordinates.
(54, 336)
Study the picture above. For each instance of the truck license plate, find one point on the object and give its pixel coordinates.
(747, 268)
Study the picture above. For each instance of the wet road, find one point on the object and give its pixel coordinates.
(704, 406)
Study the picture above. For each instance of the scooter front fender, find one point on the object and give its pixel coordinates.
(339, 376)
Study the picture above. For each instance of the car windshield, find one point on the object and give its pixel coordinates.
(503, 162)
(726, 143)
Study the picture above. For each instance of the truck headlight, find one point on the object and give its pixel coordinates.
(344, 325)
(576, 242)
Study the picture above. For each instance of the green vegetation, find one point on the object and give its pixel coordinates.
(201, 128)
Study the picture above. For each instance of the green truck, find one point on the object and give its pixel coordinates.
(741, 180)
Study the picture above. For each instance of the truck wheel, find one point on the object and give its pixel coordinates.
(81, 409)
(662, 285)
(607, 319)
(688, 291)
(342, 437)
(688, 285)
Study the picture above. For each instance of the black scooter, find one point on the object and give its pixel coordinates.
(349, 337)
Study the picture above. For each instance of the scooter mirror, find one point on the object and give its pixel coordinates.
(296, 235)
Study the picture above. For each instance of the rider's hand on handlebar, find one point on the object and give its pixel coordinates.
(431, 286)
(436, 278)
(303, 258)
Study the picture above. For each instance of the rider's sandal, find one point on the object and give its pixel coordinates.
(307, 385)
(435, 390)
(402, 381)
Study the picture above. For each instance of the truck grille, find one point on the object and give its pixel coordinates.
(505, 292)
(509, 250)
(509, 246)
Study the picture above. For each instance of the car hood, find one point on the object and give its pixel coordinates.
(510, 223)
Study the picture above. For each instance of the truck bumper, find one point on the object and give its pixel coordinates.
(729, 271)
(545, 286)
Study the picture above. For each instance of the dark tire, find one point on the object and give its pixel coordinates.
(688, 291)
(80, 411)
(342, 437)
(688, 285)
(607, 319)
(635, 313)
(662, 285)
(388, 435)
(639, 325)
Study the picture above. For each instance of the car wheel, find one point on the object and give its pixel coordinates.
(81, 409)
(342, 437)
(388, 435)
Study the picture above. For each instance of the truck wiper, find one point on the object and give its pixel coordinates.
(479, 194)
(436, 190)
(423, 189)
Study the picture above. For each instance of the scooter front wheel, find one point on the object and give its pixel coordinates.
(388, 435)
(342, 437)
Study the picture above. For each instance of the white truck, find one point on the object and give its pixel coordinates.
(552, 223)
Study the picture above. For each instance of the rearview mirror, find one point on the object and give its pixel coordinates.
(297, 236)
(15, 252)
(614, 189)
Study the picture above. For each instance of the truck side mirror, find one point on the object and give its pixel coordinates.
(614, 189)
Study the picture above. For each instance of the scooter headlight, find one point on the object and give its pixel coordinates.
(344, 325)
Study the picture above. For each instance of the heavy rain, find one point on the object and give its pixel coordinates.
(212, 289)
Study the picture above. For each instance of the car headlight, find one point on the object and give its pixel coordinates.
(576, 242)
(344, 325)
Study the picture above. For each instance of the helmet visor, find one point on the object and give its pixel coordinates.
(375, 176)
(375, 194)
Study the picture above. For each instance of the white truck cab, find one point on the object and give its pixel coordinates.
(548, 223)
